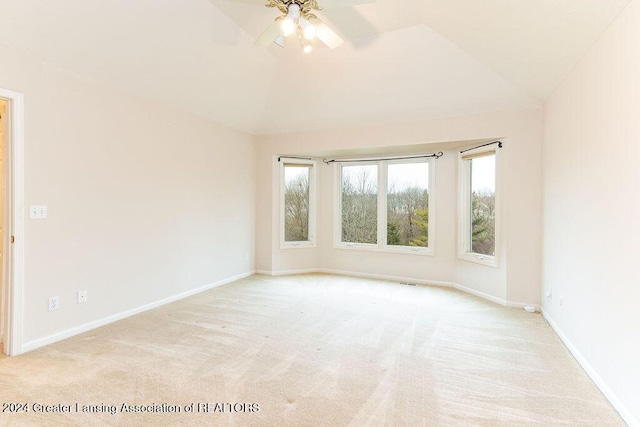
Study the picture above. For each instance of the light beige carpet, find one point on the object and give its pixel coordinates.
(311, 350)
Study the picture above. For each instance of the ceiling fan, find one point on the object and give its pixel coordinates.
(299, 21)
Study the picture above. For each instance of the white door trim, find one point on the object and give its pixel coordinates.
(13, 255)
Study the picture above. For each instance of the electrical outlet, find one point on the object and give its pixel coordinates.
(550, 293)
(561, 302)
(82, 296)
(54, 303)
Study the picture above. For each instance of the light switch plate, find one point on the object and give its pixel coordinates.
(38, 212)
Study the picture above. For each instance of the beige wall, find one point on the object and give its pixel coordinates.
(518, 277)
(592, 210)
(144, 202)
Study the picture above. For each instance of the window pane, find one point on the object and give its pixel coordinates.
(296, 203)
(483, 203)
(360, 204)
(408, 204)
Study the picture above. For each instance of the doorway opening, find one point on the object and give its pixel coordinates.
(3, 145)
(11, 221)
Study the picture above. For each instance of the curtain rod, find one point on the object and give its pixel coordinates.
(296, 158)
(436, 155)
(483, 145)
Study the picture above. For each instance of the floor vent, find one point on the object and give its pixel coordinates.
(408, 284)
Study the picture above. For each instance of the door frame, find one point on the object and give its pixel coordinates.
(14, 223)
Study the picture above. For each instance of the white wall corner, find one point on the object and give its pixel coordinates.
(522, 305)
(264, 272)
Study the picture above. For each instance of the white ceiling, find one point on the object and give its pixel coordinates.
(404, 60)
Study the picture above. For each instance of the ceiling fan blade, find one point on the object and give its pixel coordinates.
(269, 35)
(326, 35)
(352, 24)
(335, 4)
(329, 4)
(258, 2)
(280, 40)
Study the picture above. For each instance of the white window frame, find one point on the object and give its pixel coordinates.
(464, 208)
(311, 243)
(381, 245)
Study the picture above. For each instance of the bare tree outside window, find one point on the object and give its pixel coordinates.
(360, 204)
(483, 205)
(408, 204)
(296, 203)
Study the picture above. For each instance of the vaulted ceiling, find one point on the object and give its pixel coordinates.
(403, 60)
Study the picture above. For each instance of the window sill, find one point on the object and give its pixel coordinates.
(486, 260)
(389, 250)
(297, 245)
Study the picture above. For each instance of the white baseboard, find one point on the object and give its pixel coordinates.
(385, 277)
(287, 272)
(626, 415)
(457, 286)
(480, 294)
(522, 305)
(50, 339)
(264, 272)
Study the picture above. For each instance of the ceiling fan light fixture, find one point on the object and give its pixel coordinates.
(308, 28)
(310, 32)
(290, 23)
(298, 17)
(305, 44)
(288, 27)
